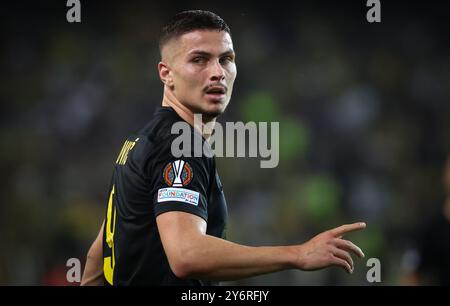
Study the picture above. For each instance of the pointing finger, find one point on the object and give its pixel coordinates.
(347, 228)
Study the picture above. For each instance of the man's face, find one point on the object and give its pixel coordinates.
(202, 69)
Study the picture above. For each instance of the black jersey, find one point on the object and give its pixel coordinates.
(147, 181)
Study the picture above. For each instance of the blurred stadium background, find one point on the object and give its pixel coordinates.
(363, 109)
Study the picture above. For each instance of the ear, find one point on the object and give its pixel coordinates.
(164, 74)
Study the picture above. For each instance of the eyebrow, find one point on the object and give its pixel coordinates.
(204, 53)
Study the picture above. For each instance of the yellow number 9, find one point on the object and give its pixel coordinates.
(109, 262)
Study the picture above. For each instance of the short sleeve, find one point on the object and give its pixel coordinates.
(182, 186)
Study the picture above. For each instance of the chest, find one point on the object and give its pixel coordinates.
(217, 208)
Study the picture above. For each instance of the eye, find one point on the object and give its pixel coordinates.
(226, 59)
(198, 60)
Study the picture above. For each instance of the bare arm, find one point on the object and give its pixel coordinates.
(194, 254)
(93, 271)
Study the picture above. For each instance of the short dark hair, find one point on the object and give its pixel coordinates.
(189, 21)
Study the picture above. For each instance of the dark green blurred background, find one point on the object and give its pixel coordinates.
(363, 109)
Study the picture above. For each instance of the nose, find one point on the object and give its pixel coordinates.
(217, 72)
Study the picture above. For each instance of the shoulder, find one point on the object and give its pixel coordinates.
(166, 139)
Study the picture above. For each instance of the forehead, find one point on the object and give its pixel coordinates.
(211, 41)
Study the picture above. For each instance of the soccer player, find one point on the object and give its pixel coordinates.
(166, 216)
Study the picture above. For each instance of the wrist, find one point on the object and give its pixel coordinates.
(293, 257)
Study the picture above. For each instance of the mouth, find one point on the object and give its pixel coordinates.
(216, 92)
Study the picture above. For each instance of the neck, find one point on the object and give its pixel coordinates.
(204, 126)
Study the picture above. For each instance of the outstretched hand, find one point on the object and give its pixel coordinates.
(328, 249)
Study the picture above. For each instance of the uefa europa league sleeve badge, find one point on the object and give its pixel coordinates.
(177, 173)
